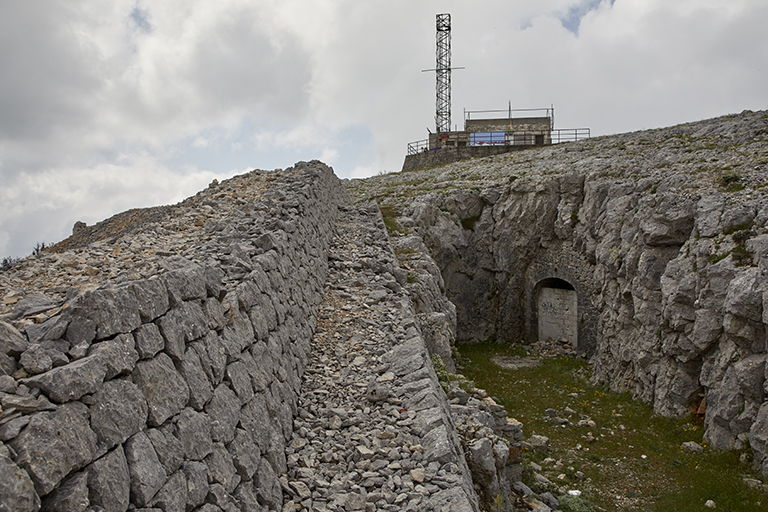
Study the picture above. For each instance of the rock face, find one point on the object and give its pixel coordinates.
(663, 236)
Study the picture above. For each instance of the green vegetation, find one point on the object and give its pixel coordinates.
(469, 222)
(631, 459)
(731, 182)
(390, 215)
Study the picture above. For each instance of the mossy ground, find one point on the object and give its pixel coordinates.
(632, 459)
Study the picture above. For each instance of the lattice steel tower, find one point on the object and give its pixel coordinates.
(443, 72)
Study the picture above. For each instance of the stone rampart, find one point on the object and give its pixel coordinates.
(176, 391)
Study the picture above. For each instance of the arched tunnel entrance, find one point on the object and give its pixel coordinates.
(557, 310)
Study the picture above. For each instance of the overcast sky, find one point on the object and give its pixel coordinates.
(107, 106)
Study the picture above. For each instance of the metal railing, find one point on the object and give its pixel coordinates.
(535, 138)
(418, 146)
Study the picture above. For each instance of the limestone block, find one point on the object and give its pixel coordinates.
(200, 389)
(118, 411)
(52, 329)
(182, 324)
(221, 468)
(252, 417)
(54, 444)
(245, 494)
(172, 497)
(193, 429)
(70, 382)
(268, 489)
(147, 475)
(224, 408)
(119, 355)
(758, 439)
(12, 342)
(437, 445)
(152, 298)
(187, 282)
(81, 331)
(196, 474)
(113, 310)
(71, 496)
(109, 482)
(212, 355)
(213, 277)
(245, 454)
(17, 492)
(707, 328)
(163, 387)
(240, 381)
(32, 304)
(214, 313)
(148, 340)
(170, 451)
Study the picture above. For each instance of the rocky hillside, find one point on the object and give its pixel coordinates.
(662, 234)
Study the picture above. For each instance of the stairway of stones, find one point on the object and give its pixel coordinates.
(372, 433)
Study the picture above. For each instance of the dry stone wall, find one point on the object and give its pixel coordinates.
(175, 389)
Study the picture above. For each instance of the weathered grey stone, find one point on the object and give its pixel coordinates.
(170, 451)
(32, 304)
(54, 444)
(437, 445)
(147, 475)
(180, 325)
(12, 342)
(221, 468)
(245, 454)
(118, 411)
(151, 296)
(196, 474)
(162, 386)
(193, 429)
(212, 355)
(80, 331)
(17, 492)
(172, 497)
(113, 310)
(268, 487)
(200, 390)
(237, 375)
(52, 329)
(148, 340)
(252, 417)
(224, 408)
(72, 496)
(214, 314)
(36, 360)
(109, 482)
(219, 496)
(119, 355)
(189, 282)
(758, 439)
(245, 495)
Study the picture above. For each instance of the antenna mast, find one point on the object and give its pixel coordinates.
(443, 72)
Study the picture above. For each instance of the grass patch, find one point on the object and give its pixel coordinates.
(390, 215)
(631, 459)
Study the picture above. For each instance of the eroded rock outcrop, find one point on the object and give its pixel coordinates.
(662, 236)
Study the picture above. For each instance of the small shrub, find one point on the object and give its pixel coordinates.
(714, 258)
(8, 262)
(575, 216)
(469, 222)
(731, 182)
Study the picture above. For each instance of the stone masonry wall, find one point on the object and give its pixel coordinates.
(166, 376)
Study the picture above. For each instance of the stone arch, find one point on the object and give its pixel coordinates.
(557, 310)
